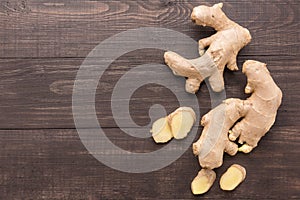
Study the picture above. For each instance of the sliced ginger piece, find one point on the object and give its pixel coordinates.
(177, 124)
(203, 181)
(182, 121)
(234, 175)
(161, 130)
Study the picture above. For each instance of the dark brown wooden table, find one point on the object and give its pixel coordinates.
(42, 45)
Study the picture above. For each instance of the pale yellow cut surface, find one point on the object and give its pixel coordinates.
(232, 177)
(161, 131)
(203, 181)
(200, 185)
(182, 123)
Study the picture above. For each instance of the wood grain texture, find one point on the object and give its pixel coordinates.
(34, 28)
(39, 91)
(53, 164)
(42, 45)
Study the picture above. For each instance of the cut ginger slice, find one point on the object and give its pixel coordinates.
(177, 124)
(181, 121)
(161, 131)
(203, 181)
(232, 177)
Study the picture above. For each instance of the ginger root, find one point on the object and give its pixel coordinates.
(214, 141)
(234, 175)
(258, 114)
(260, 108)
(177, 124)
(222, 51)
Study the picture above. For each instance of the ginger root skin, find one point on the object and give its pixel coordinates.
(223, 48)
(214, 141)
(257, 114)
(177, 124)
(233, 177)
(261, 107)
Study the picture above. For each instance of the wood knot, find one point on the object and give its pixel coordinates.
(169, 3)
(14, 6)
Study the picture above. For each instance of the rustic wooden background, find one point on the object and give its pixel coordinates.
(42, 45)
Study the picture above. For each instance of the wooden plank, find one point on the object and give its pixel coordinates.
(53, 164)
(37, 93)
(42, 29)
(42, 45)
